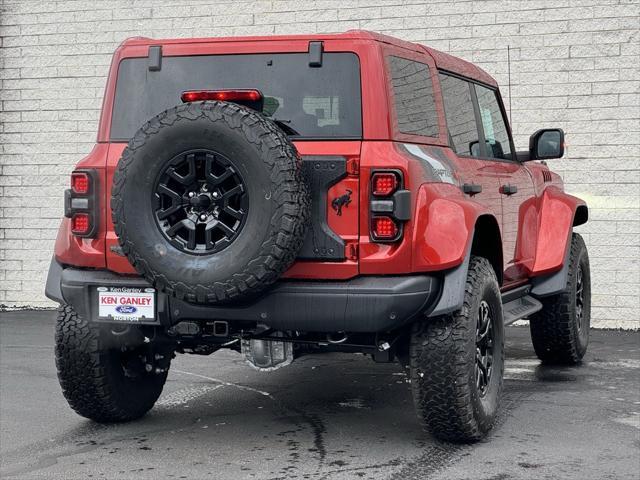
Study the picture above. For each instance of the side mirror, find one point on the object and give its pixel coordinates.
(546, 143)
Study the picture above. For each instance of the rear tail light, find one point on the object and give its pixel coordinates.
(80, 183)
(389, 204)
(384, 183)
(80, 203)
(384, 228)
(80, 223)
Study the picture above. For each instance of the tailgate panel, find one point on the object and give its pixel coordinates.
(332, 170)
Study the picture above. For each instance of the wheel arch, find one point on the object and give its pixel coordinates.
(446, 223)
(487, 243)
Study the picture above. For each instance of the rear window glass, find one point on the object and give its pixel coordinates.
(413, 97)
(310, 102)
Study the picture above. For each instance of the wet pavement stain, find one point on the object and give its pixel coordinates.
(574, 423)
(528, 465)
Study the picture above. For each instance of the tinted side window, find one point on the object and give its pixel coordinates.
(413, 97)
(493, 123)
(461, 120)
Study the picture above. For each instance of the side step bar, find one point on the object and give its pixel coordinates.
(517, 304)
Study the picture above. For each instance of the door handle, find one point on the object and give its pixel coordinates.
(471, 188)
(508, 189)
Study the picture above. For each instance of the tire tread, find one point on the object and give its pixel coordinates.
(84, 373)
(438, 358)
(553, 330)
(289, 219)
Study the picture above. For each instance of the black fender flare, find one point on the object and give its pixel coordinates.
(452, 289)
(52, 290)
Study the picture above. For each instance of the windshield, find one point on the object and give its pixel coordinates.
(308, 102)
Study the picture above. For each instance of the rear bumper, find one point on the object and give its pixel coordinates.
(362, 304)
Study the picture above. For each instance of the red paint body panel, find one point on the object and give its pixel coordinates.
(535, 224)
(86, 252)
(555, 222)
(445, 221)
(519, 228)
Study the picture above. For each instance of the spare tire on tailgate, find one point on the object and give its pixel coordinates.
(209, 203)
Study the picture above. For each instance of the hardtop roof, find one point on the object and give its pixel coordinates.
(442, 60)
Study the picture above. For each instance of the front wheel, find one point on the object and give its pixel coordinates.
(457, 361)
(560, 331)
(102, 383)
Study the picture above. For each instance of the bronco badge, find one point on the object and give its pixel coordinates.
(341, 201)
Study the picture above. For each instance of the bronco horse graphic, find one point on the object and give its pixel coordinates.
(341, 201)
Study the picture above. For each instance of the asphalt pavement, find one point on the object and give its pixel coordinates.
(334, 416)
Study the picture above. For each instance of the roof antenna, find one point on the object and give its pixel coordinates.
(509, 81)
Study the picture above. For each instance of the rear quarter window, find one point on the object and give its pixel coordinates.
(311, 102)
(413, 99)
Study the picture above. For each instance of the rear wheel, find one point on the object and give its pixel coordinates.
(560, 331)
(457, 361)
(100, 383)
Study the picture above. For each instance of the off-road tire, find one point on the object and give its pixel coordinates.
(92, 378)
(557, 335)
(277, 217)
(442, 356)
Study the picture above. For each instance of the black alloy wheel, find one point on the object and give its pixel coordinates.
(580, 300)
(201, 202)
(484, 348)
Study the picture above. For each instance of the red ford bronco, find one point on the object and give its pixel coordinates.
(282, 196)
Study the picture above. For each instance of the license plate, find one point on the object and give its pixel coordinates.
(127, 304)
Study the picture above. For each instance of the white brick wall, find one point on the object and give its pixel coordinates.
(575, 64)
